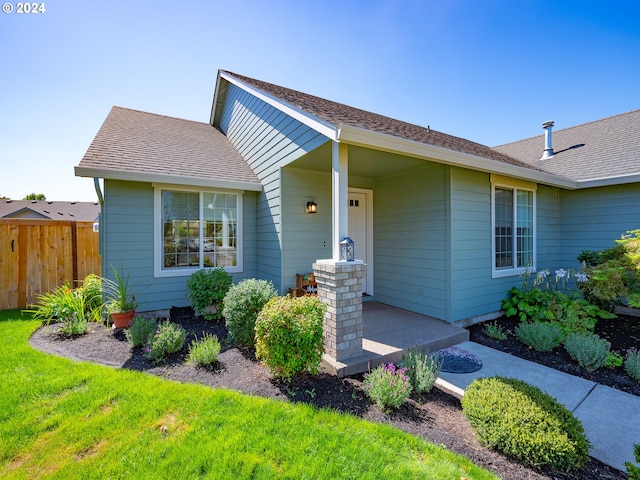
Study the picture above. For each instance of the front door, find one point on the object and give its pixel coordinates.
(360, 231)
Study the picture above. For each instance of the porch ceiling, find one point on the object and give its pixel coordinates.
(363, 162)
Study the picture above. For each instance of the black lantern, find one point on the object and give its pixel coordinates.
(347, 250)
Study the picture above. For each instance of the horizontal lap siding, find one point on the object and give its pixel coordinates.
(129, 244)
(410, 240)
(591, 219)
(547, 228)
(268, 140)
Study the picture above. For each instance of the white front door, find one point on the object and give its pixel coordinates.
(360, 231)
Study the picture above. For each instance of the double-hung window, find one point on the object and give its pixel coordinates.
(196, 229)
(514, 226)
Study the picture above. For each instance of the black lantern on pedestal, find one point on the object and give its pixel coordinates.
(347, 250)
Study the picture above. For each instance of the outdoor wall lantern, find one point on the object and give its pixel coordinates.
(312, 207)
(347, 250)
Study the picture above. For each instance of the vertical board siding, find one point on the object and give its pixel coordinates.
(268, 140)
(410, 240)
(591, 219)
(129, 244)
(37, 256)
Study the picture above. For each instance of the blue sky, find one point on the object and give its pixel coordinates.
(491, 71)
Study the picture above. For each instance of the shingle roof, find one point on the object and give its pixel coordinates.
(144, 143)
(601, 149)
(80, 211)
(338, 113)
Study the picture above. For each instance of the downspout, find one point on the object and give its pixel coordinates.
(101, 229)
(96, 184)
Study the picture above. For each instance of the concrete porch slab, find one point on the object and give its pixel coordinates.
(388, 332)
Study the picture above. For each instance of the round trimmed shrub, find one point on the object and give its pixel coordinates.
(525, 423)
(588, 349)
(242, 304)
(207, 287)
(541, 336)
(289, 335)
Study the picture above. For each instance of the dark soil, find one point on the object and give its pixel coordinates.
(436, 416)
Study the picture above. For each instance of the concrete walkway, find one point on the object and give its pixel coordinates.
(611, 418)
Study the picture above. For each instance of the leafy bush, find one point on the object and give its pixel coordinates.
(242, 304)
(542, 336)
(92, 290)
(387, 386)
(204, 351)
(168, 338)
(525, 423)
(207, 287)
(422, 369)
(632, 364)
(588, 349)
(495, 331)
(289, 335)
(141, 330)
(634, 470)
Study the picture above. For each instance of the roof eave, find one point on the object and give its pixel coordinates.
(367, 138)
(167, 179)
(318, 124)
(609, 181)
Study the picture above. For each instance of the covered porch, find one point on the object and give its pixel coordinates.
(387, 332)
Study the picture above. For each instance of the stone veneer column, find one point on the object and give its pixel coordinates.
(340, 287)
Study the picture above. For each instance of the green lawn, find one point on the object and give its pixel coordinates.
(65, 419)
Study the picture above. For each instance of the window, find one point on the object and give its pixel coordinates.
(513, 218)
(196, 229)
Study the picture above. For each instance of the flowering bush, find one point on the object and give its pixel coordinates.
(140, 330)
(168, 338)
(422, 369)
(388, 386)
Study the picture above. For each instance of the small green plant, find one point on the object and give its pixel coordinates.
(632, 364)
(388, 386)
(494, 330)
(119, 297)
(204, 351)
(541, 336)
(206, 289)
(289, 335)
(525, 423)
(141, 330)
(634, 470)
(242, 304)
(422, 369)
(614, 360)
(588, 349)
(168, 338)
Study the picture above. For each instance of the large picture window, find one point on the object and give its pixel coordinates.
(513, 221)
(197, 229)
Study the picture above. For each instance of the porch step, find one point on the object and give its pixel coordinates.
(388, 332)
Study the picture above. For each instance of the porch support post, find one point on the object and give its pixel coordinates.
(340, 192)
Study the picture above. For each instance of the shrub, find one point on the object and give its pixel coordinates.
(242, 304)
(208, 287)
(542, 336)
(141, 330)
(289, 335)
(422, 369)
(525, 423)
(168, 338)
(387, 386)
(632, 364)
(495, 331)
(588, 349)
(92, 291)
(204, 351)
(634, 470)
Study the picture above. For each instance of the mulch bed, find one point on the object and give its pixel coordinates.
(436, 416)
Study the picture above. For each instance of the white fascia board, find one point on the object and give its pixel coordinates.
(367, 138)
(609, 181)
(321, 126)
(169, 179)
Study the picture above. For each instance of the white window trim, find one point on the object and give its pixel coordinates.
(158, 271)
(513, 184)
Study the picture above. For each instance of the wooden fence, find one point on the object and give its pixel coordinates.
(36, 256)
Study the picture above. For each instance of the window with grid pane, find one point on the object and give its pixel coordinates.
(513, 211)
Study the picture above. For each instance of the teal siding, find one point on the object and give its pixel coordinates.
(592, 218)
(547, 227)
(269, 140)
(410, 240)
(129, 245)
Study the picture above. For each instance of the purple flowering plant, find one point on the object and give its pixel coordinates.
(388, 386)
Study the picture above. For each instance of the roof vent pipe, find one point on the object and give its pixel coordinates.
(548, 146)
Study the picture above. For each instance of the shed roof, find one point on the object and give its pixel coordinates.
(601, 150)
(80, 211)
(141, 146)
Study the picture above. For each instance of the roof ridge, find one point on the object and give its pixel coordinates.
(158, 115)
